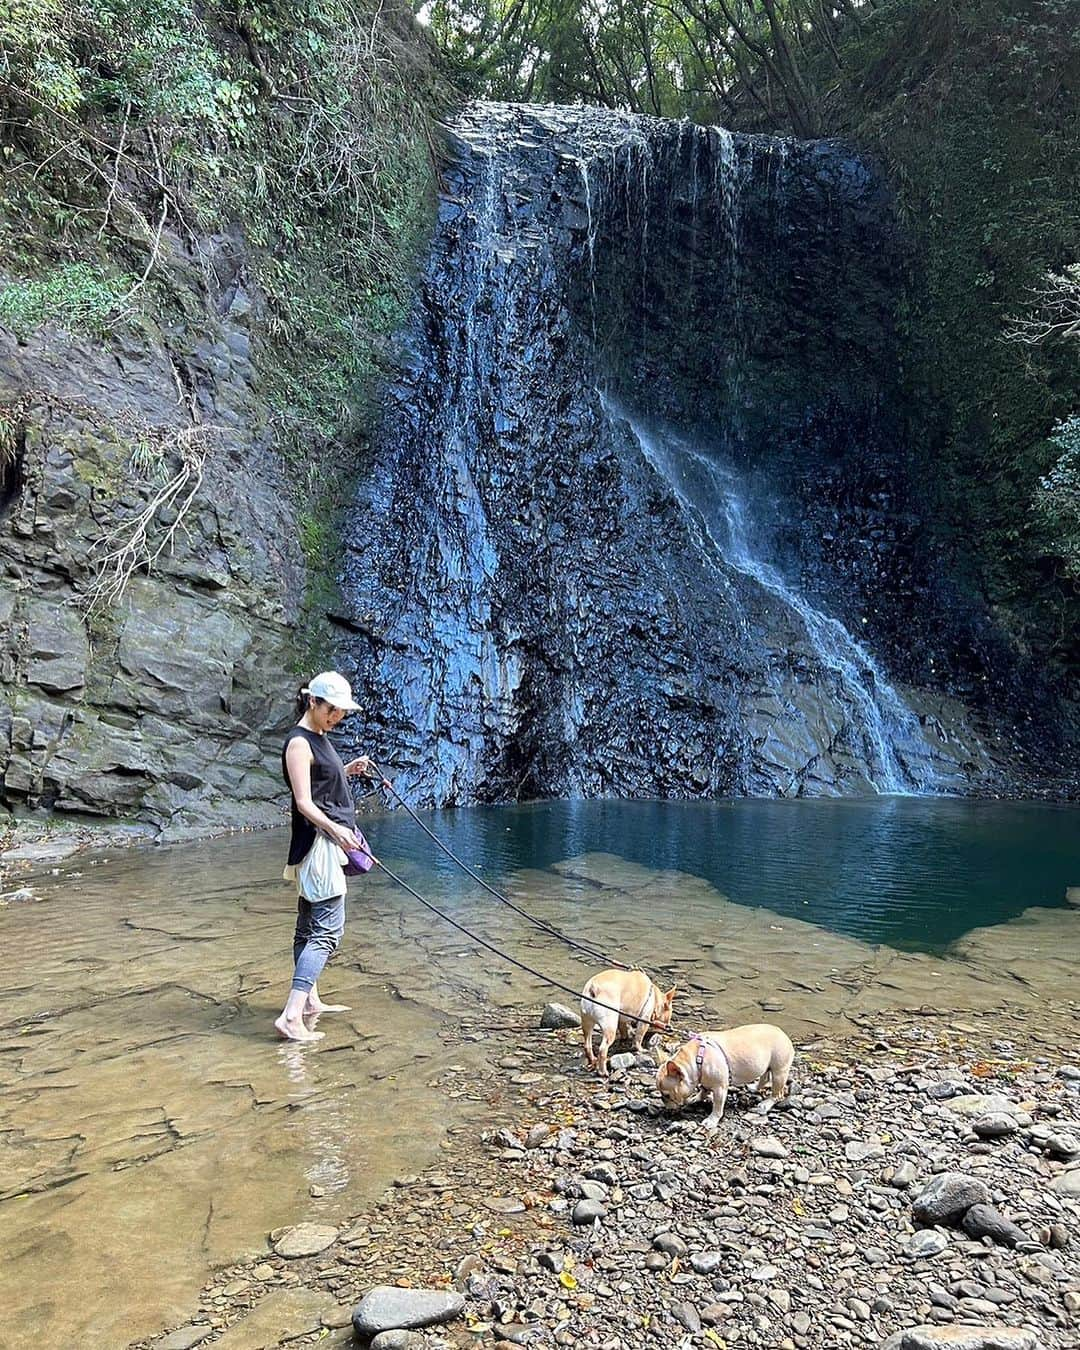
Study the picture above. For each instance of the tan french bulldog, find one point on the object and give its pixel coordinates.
(718, 1060)
(641, 1005)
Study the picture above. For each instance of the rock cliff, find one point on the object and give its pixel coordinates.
(164, 702)
(642, 521)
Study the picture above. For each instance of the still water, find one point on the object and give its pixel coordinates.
(915, 873)
(152, 1130)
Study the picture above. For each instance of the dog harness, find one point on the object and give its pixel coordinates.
(702, 1042)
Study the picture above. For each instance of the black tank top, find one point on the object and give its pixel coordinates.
(329, 791)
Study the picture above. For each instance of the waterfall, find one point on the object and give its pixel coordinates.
(527, 584)
(888, 733)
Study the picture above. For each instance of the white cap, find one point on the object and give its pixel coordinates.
(334, 689)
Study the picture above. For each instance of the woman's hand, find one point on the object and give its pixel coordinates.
(344, 838)
(362, 765)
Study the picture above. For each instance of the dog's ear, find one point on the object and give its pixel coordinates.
(673, 1069)
(671, 993)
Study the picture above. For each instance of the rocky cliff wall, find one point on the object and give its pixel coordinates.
(208, 228)
(640, 521)
(164, 702)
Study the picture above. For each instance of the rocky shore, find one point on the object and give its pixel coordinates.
(920, 1187)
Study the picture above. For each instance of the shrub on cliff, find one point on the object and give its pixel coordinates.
(130, 128)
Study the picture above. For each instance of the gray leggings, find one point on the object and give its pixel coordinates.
(319, 926)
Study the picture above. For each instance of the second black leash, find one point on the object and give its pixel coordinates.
(592, 952)
(538, 974)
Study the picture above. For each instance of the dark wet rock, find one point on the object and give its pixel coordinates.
(558, 1017)
(387, 1308)
(946, 1088)
(676, 268)
(948, 1196)
(985, 1221)
(995, 1125)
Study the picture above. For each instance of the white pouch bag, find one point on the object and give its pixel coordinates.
(320, 876)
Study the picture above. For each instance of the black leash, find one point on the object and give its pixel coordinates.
(592, 952)
(483, 942)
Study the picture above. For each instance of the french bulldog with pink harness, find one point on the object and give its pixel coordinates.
(718, 1060)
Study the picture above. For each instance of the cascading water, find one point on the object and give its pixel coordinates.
(532, 610)
(890, 739)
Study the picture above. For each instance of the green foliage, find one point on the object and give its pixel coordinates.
(1057, 497)
(974, 108)
(725, 60)
(149, 58)
(78, 296)
(132, 129)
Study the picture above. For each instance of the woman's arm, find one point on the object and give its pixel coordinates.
(298, 762)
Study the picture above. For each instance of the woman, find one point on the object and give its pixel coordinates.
(323, 821)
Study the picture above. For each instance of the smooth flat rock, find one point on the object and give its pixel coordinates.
(283, 1313)
(982, 1104)
(949, 1196)
(398, 1339)
(929, 1242)
(995, 1125)
(588, 1211)
(306, 1239)
(1068, 1183)
(387, 1308)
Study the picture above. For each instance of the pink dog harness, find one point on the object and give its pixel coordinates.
(702, 1042)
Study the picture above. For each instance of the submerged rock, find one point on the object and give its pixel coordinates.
(306, 1239)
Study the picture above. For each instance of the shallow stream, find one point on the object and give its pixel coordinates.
(151, 1128)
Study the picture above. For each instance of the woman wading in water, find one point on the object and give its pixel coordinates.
(323, 822)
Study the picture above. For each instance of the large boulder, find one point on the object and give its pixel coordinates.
(947, 1197)
(387, 1308)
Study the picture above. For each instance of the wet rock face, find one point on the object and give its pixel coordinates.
(639, 522)
(168, 704)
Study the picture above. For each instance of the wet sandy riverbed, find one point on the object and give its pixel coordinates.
(151, 1128)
